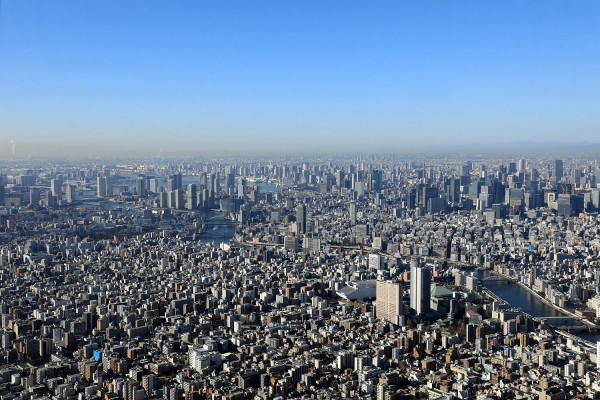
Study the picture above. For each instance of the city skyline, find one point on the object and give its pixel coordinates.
(374, 277)
(91, 78)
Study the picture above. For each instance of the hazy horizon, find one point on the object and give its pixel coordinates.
(100, 77)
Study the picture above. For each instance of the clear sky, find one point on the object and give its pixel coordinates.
(99, 75)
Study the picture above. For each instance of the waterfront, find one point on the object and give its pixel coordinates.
(517, 296)
(218, 233)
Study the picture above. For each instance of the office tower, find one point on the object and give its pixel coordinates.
(534, 175)
(174, 182)
(140, 186)
(522, 166)
(420, 287)
(109, 186)
(569, 204)
(453, 191)
(51, 201)
(216, 184)
(26, 180)
(244, 215)
(55, 187)
(388, 301)
(206, 199)
(163, 199)
(595, 198)
(376, 180)
(301, 218)
(202, 180)
(558, 170)
(471, 333)
(104, 186)
(465, 170)
(179, 205)
(576, 176)
(486, 197)
(211, 183)
(191, 201)
(427, 193)
(230, 182)
(353, 212)
(171, 184)
(241, 187)
(71, 197)
(34, 196)
(101, 186)
(153, 185)
(435, 205)
(339, 178)
(475, 189)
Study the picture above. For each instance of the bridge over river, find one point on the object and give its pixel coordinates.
(497, 278)
(508, 290)
(218, 222)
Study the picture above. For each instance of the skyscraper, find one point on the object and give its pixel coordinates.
(71, 196)
(101, 186)
(178, 197)
(301, 218)
(140, 186)
(388, 300)
(109, 186)
(55, 187)
(241, 189)
(558, 170)
(104, 186)
(191, 193)
(154, 185)
(376, 180)
(171, 184)
(34, 196)
(420, 287)
(353, 212)
(453, 191)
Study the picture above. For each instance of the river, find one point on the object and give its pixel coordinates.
(217, 234)
(517, 296)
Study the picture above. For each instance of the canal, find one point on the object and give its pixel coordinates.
(517, 296)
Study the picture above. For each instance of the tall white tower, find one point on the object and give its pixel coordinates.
(420, 287)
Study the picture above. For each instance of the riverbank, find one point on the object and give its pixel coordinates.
(547, 302)
(536, 297)
(561, 309)
(543, 299)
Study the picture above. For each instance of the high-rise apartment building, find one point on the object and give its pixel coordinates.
(71, 194)
(352, 209)
(100, 186)
(420, 287)
(104, 186)
(388, 300)
(191, 193)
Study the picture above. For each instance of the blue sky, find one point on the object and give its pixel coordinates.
(91, 76)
